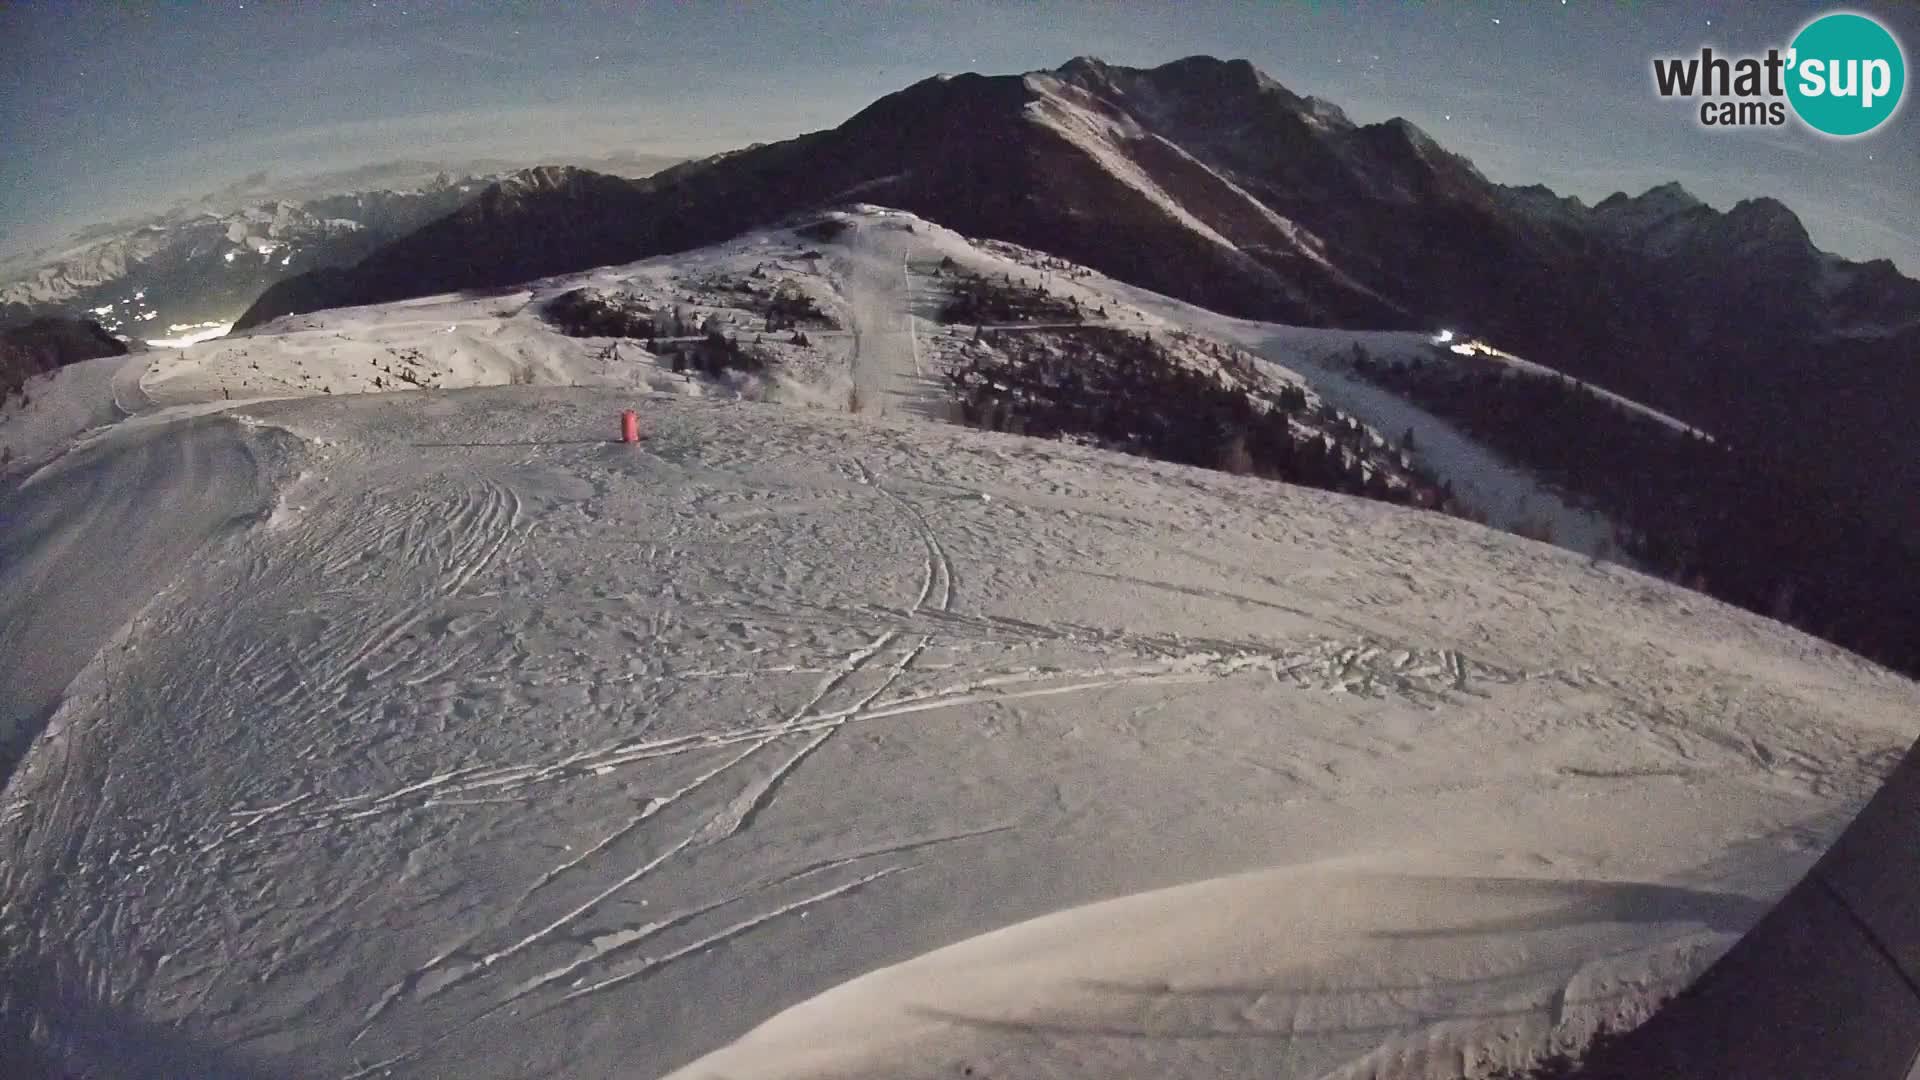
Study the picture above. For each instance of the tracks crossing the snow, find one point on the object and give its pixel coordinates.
(528, 735)
(608, 959)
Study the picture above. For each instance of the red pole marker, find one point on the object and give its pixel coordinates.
(629, 426)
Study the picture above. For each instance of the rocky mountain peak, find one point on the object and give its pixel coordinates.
(1088, 68)
(541, 178)
(1769, 221)
(1665, 199)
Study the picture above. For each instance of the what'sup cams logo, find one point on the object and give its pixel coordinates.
(1843, 75)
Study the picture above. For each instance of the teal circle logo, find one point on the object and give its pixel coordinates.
(1847, 74)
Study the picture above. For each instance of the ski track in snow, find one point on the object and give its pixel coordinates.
(434, 562)
(487, 734)
(729, 819)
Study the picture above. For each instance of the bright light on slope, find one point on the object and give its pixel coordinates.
(213, 330)
(1443, 337)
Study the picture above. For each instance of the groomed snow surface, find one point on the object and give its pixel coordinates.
(789, 743)
(61, 404)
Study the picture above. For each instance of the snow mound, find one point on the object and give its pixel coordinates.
(489, 747)
(60, 405)
(1354, 968)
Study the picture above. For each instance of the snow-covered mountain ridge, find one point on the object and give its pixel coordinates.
(887, 266)
(193, 270)
(1208, 181)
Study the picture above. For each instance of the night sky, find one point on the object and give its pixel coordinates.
(109, 110)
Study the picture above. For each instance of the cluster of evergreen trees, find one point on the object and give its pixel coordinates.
(976, 300)
(592, 313)
(788, 307)
(715, 353)
(1745, 524)
(1127, 391)
(785, 305)
(824, 231)
(588, 313)
(585, 313)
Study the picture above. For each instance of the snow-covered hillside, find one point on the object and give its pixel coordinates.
(1507, 494)
(435, 733)
(488, 747)
(880, 279)
(60, 405)
(1480, 350)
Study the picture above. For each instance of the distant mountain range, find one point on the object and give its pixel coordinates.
(193, 268)
(1209, 181)
(176, 273)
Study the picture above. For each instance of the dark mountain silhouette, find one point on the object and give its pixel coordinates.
(42, 345)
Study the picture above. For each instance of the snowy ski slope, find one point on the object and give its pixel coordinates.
(463, 741)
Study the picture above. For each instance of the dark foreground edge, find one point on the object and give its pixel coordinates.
(1827, 986)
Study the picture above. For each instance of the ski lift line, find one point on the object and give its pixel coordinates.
(913, 333)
